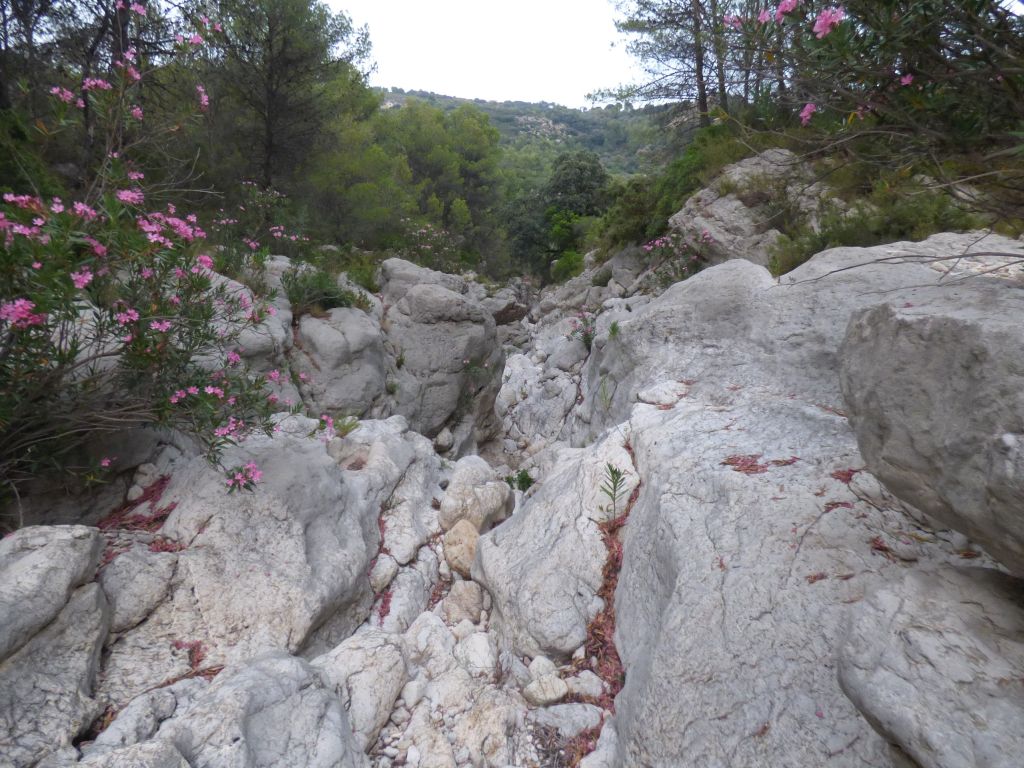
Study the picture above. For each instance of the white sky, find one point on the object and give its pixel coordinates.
(528, 50)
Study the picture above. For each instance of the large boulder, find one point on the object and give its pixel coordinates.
(935, 391)
(935, 661)
(450, 360)
(735, 324)
(342, 355)
(543, 566)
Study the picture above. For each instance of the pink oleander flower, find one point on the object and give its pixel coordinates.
(212, 390)
(106, 461)
(37, 265)
(195, 39)
(204, 261)
(130, 196)
(764, 16)
(827, 20)
(204, 98)
(81, 278)
(136, 112)
(20, 315)
(63, 94)
(56, 206)
(96, 84)
(84, 211)
(146, 273)
(786, 6)
(161, 325)
(730, 20)
(234, 358)
(906, 80)
(136, 175)
(136, 8)
(805, 113)
(128, 316)
(274, 376)
(133, 73)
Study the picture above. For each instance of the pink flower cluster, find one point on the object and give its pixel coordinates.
(66, 96)
(786, 6)
(95, 84)
(20, 315)
(729, 20)
(204, 98)
(806, 112)
(130, 196)
(81, 278)
(827, 20)
(128, 316)
(233, 428)
(245, 476)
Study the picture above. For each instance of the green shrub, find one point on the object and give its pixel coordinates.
(521, 480)
(890, 214)
(567, 266)
(314, 291)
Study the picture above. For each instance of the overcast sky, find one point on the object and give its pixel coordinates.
(528, 50)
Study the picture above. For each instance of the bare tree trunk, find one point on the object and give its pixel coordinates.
(698, 63)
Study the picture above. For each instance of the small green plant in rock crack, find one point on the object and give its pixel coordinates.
(614, 330)
(613, 485)
(605, 395)
(521, 480)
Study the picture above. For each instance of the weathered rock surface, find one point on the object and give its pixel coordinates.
(283, 567)
(935, 661)
(40, 567)
(543, 566)
(47, 686)
(450, 359)
(367, 671)
(342, 356)
(270, 711)
(741, 222)
(934, 389)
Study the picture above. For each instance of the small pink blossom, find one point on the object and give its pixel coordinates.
(204, 98)
(37, 265)
(274, 376)
(81, 278)
(146, 273)
(805, 113)
(133, 73)
(136, 175)
(195, 39)
(136, 8)
(63, 94)
(729, 20)
(106, 461)
(56, 206)
(136, 112)
(130, 196)
(907, 79)
(161, 325)
(204, 261)
(764, 16)
(84, 211)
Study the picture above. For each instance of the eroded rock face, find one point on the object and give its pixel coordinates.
(935, 390)
(40, 567)
(543, 566)
(935, 662)
(450, 358)
(47, 686)
(281, 568)
(737, 221)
